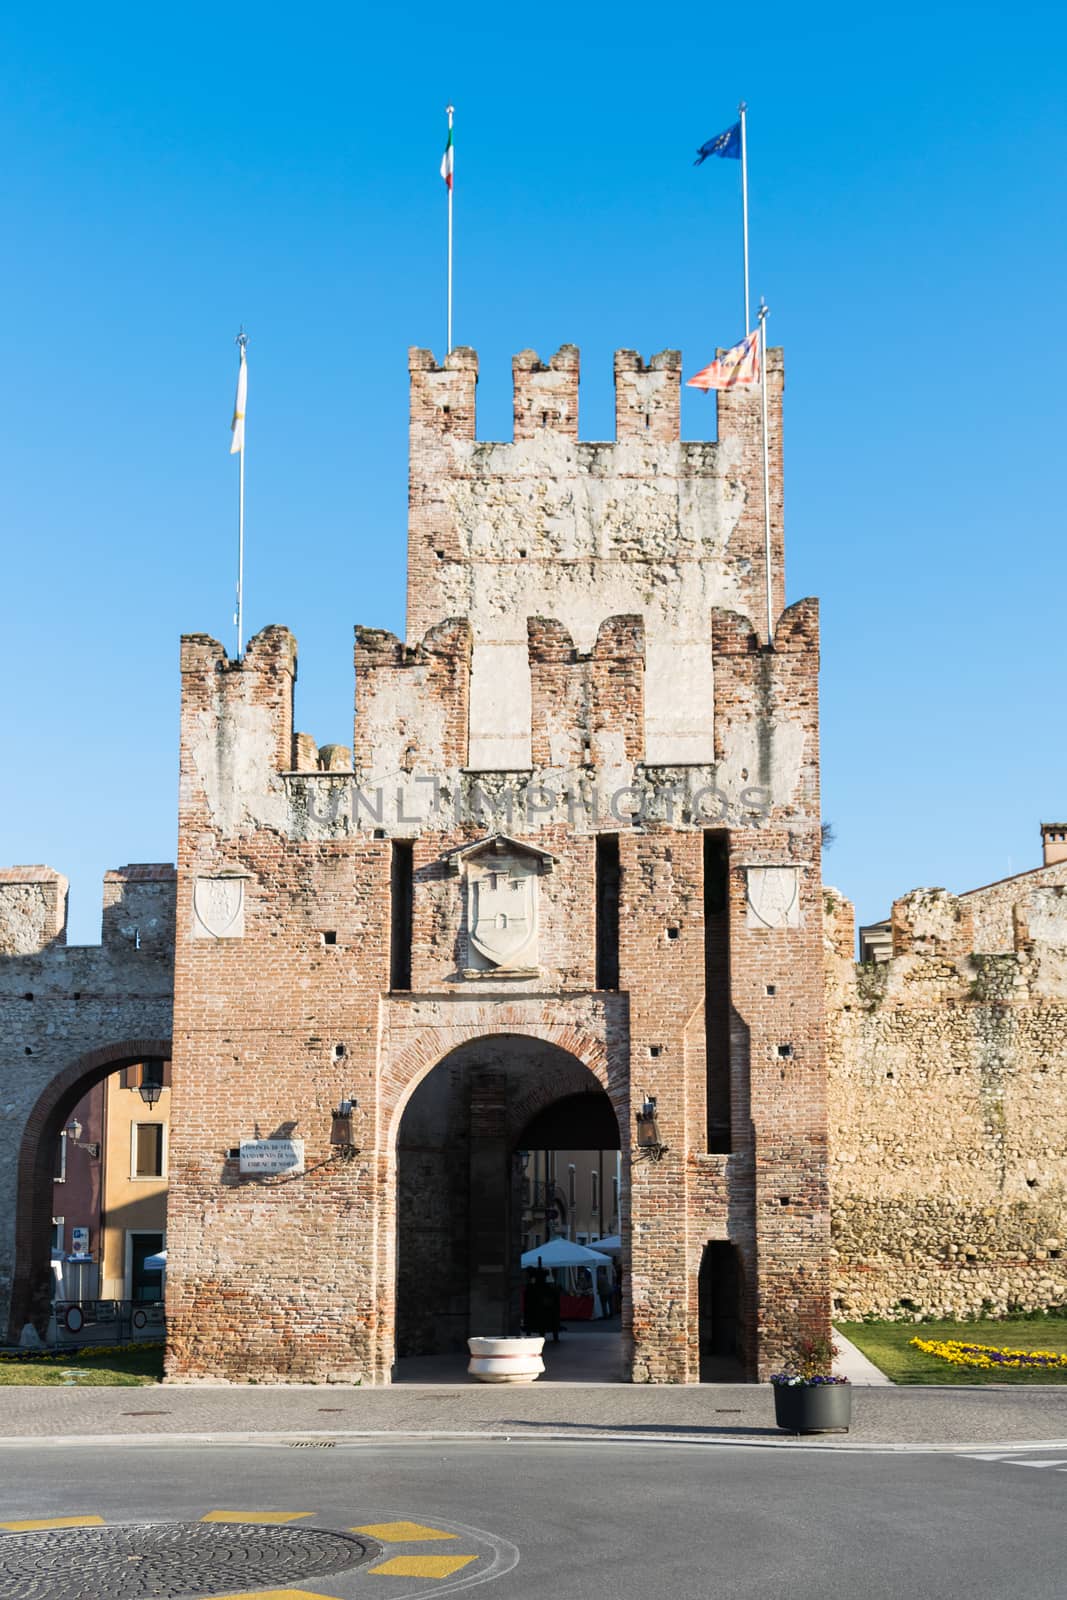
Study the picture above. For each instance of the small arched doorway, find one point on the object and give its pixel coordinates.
(468, 1144)
(32, 1280)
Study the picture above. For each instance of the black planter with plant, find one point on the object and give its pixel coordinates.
(808, 1396)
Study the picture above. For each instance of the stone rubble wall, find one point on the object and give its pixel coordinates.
(992, 907)
(948, 1112)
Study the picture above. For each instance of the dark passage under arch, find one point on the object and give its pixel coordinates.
(459, 1181)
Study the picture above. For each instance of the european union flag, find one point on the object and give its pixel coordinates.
(724, 144)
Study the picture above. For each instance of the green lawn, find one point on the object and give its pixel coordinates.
(131, 1367)
(888, 1345)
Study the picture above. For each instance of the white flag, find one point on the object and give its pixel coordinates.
(237, 426)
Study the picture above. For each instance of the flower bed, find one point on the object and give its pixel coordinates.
(989, 1357)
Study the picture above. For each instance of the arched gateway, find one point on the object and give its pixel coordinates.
(459, 1177)
(69, 1016)
(32, 1286)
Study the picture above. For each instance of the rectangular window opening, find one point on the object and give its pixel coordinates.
(608, 876)
(402, 903)
(148, 1149)
(153, 1071)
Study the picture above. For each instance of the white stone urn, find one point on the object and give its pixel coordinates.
(506, 1360)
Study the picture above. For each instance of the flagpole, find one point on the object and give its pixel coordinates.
(743, 109)
(451, 185)
(241, 342)
(764, 311)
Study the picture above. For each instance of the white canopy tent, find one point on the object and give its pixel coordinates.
(611, 1246)
(564, 1253)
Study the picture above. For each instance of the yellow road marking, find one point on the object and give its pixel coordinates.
(402, 1532)
(421, 1566)
(278, 1594)
(53, 1522)
(256, 1516)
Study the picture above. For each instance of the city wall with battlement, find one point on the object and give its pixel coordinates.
(69, 1014)
(947, 1070)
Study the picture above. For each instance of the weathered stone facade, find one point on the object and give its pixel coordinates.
(948, 1104)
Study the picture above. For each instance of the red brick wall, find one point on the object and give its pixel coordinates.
(295, 1278)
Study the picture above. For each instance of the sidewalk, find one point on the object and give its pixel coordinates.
(852, 1364)
(732, 1413)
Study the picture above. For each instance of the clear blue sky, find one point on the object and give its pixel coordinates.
(168, 174)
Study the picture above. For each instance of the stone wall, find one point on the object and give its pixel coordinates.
(948, 1111)
(69, 1015)
(992, 907)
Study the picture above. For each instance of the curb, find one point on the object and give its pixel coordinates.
(641, 1441)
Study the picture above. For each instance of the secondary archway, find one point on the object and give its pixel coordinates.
(31, 1292)
(460, 1182)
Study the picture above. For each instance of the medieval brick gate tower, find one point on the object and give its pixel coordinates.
(572, 856)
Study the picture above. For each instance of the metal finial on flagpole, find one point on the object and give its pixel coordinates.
(451, 185)
(764, 312)
(743, 111)
(241, 342)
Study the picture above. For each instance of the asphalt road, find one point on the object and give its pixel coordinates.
(599, 1521)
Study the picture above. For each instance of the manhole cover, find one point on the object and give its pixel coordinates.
(168, 1560)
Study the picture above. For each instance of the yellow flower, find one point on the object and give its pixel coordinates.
(990, 1356)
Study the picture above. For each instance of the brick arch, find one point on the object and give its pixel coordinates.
(403, 1074)
(434, 1045)
(31, 1289)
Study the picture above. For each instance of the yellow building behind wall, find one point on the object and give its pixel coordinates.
(134, 1221)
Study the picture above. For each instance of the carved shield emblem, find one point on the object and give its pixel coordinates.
(503, 911)
(218, 908)
(773, 897)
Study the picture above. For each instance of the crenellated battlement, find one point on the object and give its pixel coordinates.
(137, 912)
(546, 396)
(548, 524)
(648, 397)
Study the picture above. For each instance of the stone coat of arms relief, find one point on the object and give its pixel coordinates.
(773, 897)
(501, 895)
(219, 907)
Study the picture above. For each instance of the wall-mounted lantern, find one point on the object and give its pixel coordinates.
(73, 1131)
(342, 1140)
(650, 1146)
(150, 1092)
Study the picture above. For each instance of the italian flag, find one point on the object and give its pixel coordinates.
(448, 161)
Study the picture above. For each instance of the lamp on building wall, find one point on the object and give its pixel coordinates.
(73, 1131)
(150, 1092)
(341, 1140)
(650, 1146)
